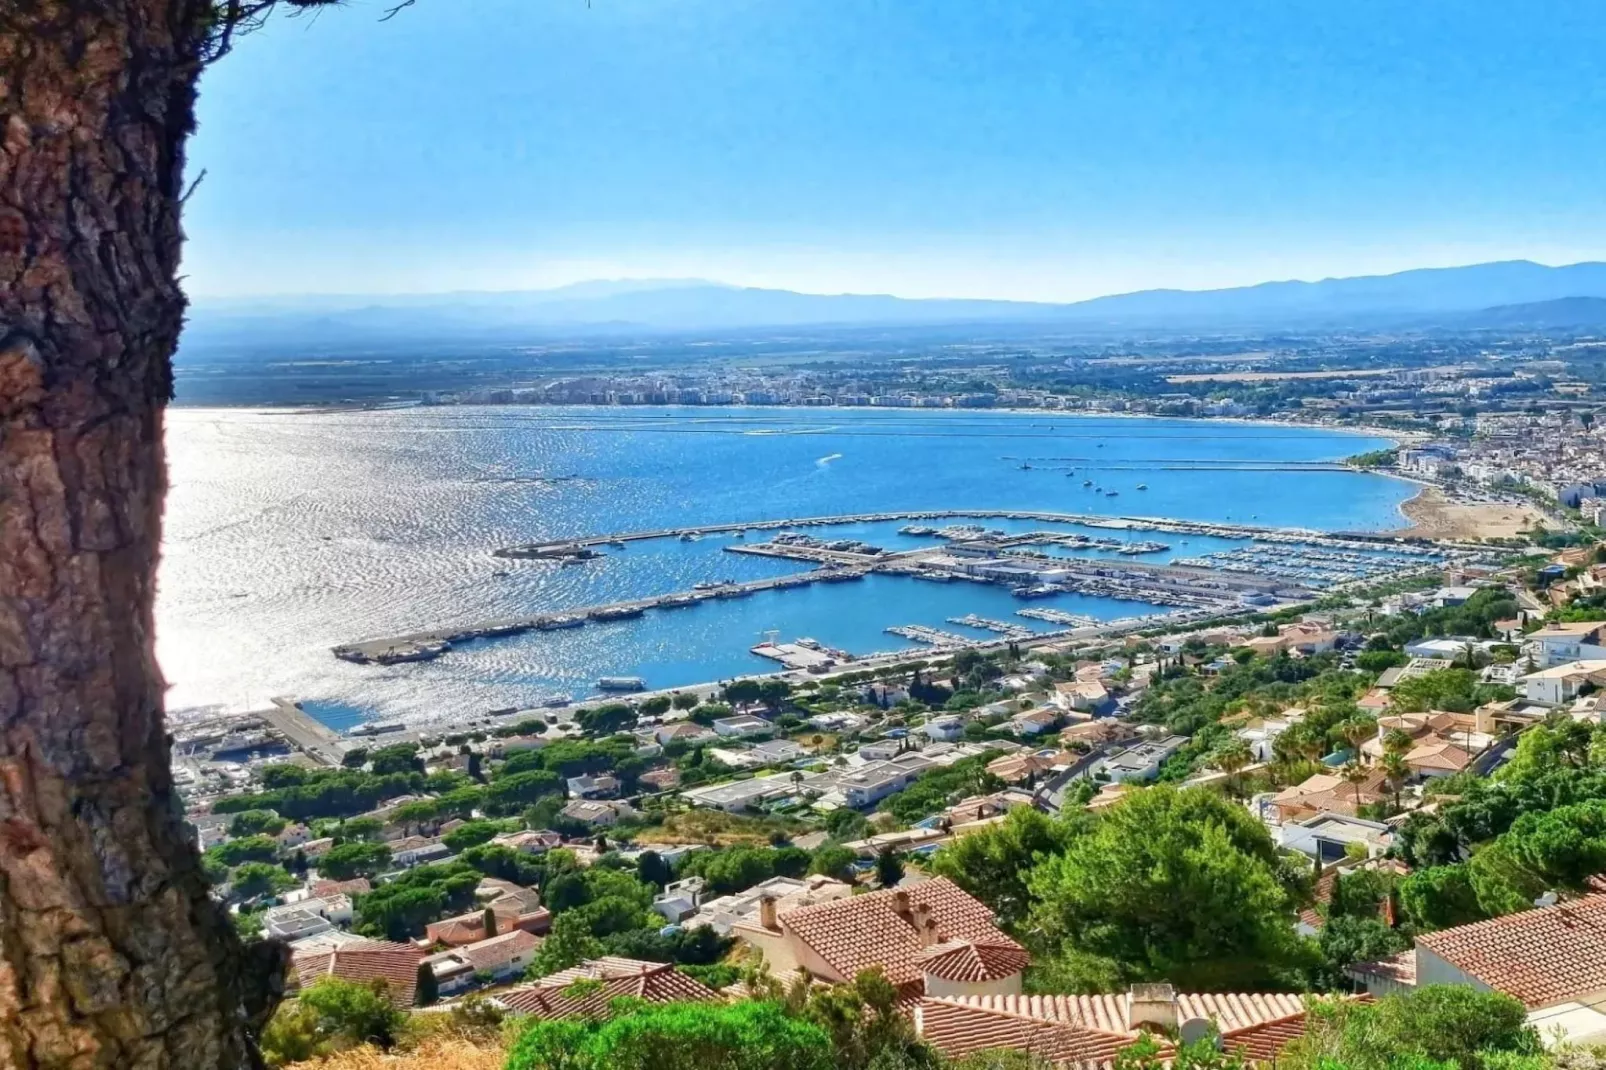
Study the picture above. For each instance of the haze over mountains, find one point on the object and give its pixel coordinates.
(1508, 294)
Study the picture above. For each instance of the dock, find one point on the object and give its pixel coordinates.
(313, 738)
(424, 646)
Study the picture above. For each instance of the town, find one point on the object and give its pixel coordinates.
(1408, 769)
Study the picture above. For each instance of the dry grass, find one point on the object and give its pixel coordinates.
(433, 1053)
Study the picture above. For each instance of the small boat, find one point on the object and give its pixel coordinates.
(690, 536)
(1087, 482)
(1143, 486)
(1112, 493)
(621, 683)
(619, 543)
(500, 573)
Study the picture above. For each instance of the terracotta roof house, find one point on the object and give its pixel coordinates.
(1014, 768)
(513, 911)
(654, 982)
(368, 960)
(930, 938)
(355, 886)
(503, 958)
(1436, 757)
(1326, 793)
(1553, 959)
(1089, 1031)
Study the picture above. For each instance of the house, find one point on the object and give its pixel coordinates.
(1141, 762)
(1262, 735)
(1015, 768)
(1035, 722)
(530, 842)
(1326, 793)
(1091, 1030)
(742, 726)
(728, 911)
(1552, 959)
(1328, 837)
(928, 939)
(293, 835)
(1449, 648)
(679, 899)
(944, 728)
(294, 922)
(777, 751)
(1437, 758)
(665, 779)
(1560, 684)
(1375, 701)
(417, 851)
(684, 732)
(1308, 637)
(515, 909)
(495, 960)
(1557, 643)
(363, 961)
(556, 996)
(321, 889)
(601, 786)
(1086, 696)
(1097, 733)
(736, 796)
(597, 814)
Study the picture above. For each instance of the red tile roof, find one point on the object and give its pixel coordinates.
(970, 960)
(1091, 1029)
(371, 960)
(957, 1028)
(1541, 957)
(862, 931)
(654, 982)
(1231, 1011)
(499, 950)
(355, 886)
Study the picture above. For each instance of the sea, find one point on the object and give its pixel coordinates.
(290, 532)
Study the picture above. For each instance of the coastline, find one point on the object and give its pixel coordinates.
(1432, 514)
(1394, 436)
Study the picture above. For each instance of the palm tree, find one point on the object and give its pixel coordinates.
(1231, 757)
(1355, 774)
(1357, 730)
(1395, 772)
(1396, 741)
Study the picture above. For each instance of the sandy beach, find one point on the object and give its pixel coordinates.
(1435, 516)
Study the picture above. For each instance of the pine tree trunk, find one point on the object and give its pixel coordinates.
(111, 952)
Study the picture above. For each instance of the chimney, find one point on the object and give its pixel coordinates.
(929, 936)
(766, 913)
(900, 903)
(1154, 1006)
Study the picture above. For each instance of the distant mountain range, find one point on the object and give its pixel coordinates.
(1507, 294)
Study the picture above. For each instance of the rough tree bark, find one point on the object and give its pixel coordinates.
(111, 952)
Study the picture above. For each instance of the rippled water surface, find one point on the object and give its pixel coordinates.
(288, 533)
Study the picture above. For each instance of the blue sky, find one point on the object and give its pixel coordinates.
(1042, 149)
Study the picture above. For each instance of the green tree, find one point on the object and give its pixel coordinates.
(568, 944)
(256, 822)
(749, 1035)
(888, 869)
(355, 859)
(992, 863)
(510, 794)
(254, 879)
(1453, 1025)
(395, 758)
(1174, 885)
(359, 828)
(1440, 897)
(471, 834)
(833, 860)
(427, 989)
(248, 849)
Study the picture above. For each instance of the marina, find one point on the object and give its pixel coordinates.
(1269, 568)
